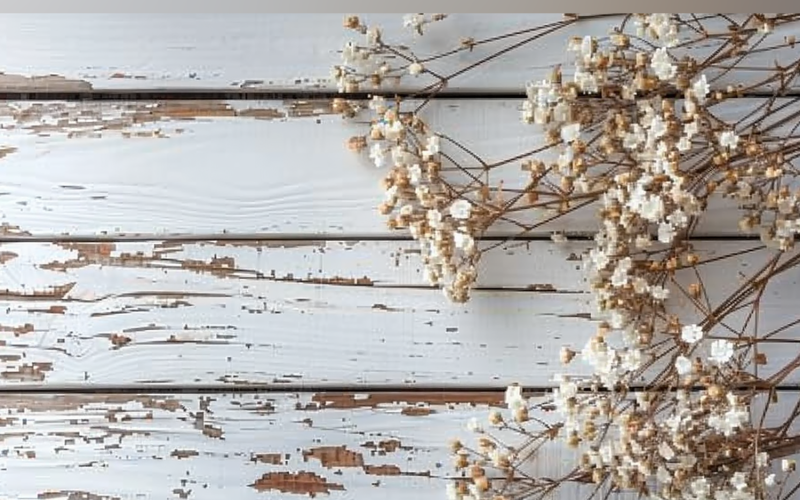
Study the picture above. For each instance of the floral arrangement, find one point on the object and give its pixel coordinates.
(648, 126)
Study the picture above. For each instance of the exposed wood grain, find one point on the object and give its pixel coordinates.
(279, 51)
(317, 313)
(280, 446)
(89, 169)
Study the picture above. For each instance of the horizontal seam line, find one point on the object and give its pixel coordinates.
(310, 388)
(289, 238)
(281, 94)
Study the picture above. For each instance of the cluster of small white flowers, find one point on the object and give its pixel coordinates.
(371, 61)
(416, 199)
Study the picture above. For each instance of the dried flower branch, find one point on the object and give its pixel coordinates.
(677, 401)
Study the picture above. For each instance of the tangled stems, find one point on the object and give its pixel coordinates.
(650, 127)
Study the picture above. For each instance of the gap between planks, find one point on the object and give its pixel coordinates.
(424, 391)
(290, 238)
(288, 94)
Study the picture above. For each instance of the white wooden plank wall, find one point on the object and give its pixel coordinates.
(157, 256)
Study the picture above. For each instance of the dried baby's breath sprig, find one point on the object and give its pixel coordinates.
(650, 127)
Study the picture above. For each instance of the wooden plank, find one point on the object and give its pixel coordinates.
(332, 313)
(285, 51)
(280, 446)
(89, 169)
(248, 446)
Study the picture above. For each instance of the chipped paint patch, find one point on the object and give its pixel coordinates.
(302, 483)
(348, 400)
(334, 456)
(131, 119)
(7, 150)
(50, 83)
(179, 454)
(50, 293)
(33, 372)
(73, 495)
(7, 256)
(18, 330)
(382, 470)
(267, 458)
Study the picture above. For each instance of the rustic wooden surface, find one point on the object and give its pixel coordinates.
(239, 313)
(278, 51)
(166, 266)
(134, 169)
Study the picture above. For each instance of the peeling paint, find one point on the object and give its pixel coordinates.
(54, 292)
(348, 400)
(334, 456)
(50, 310)
(73, 495)
(7, 256)
(34, 372)
(267, 458)
(303, 483)
(382, 470)
(50, 83)
(179, 454)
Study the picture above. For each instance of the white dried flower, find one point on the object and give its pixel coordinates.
(414, 174)
(474, 426)
(431, 147)
(571, 132)
(666, 452)
(514, 397)
(659, 292)
(721, 351)
(461, 209)
(683, 365)
(691, 333)
(415, 68)
(662, 64)
(739, 480)
(728, 139)
(701, 88)
(377, 155)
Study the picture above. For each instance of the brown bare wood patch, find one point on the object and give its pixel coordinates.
(7, 256)
(346, 400)
(416, 411)
(92, 119)
(212, 431)
(386, 446)
(267, 458)
(303, 483)
(18, 330)
(56, 83)
(34, 372)
(73, 495)
(72, 402)
(382, 470)
(7, 229)
(302, 109)
(50, 310)
(184, 453)
(50, 293)
(335, 456)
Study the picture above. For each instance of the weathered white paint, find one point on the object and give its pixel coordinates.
(281, 51)
(208, 446)
(321, 313)
(208, 167)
